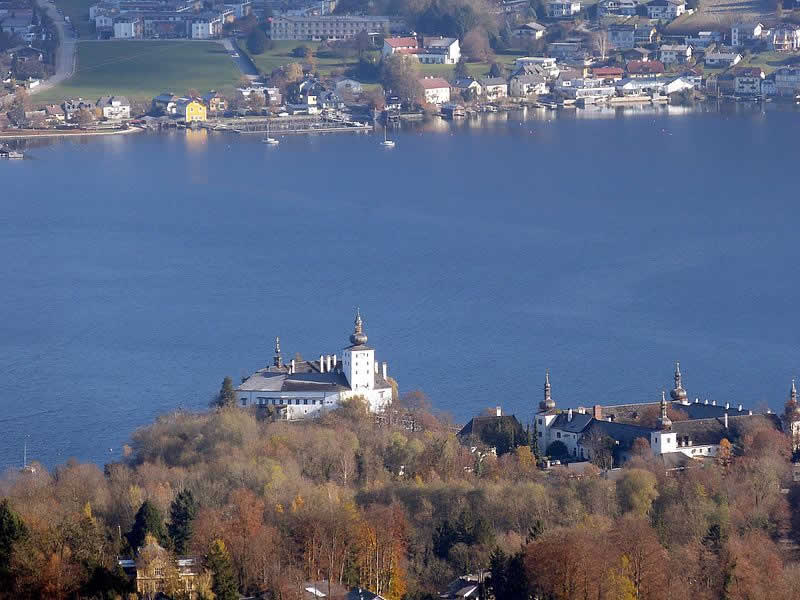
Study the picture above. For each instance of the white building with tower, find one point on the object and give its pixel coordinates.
(301, 388)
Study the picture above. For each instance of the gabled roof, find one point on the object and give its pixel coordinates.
(434, 83)
(645, 67)
(401, 42)
(489, 81)
(533, 25)
(578, 423)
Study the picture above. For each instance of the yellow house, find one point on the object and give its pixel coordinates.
(191, 110)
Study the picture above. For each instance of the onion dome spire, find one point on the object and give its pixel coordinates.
(359, 338)
(793, 392)
(547, 403)
(664, 421)
(678, 394)
(277, 360)
(792, 408)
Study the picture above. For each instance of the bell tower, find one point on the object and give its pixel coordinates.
(358, 359)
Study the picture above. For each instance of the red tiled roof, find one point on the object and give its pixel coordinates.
(639, 67)
(432, 83)
(607, 71)
(748, 72)
(401, 42)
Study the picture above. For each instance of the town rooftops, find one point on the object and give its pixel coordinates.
(675, 47)
(748, 72)
(533, 26)
(113, 101)
(608, 72)
(434, 83)
(438, 42)
(491, 81)
(645, 67)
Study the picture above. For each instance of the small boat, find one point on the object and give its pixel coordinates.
(8, 153)
(270, 141)
(386, 143)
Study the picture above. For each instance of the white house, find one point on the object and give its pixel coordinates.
(547, 64)
(625, 8)
(206, 27)
(436, 89)
(678, 84)
(665, 10)
(433, 50)
(127, 28)
(562, 9)
(722, 59)
(524, 85)
(115, 108)
(494, 88)
(303, 389)
(747, 81)
(742, 33)
(785, 38)
(622, 36)
(787, 81)
(675, 54)
(530, 31)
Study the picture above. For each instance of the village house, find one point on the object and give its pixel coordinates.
(562, 9)
(768, 87)
(586, 89)
(645, 34)
(153, 567)
(348, 86)
(543, 64)
(73, 106)
(128, 28)
(436, 90)
(498, 432)
(622, 36)
(494, 88)
(785, 38)
(566, 50)
(467, 87)
(330, 27)
(665, 10)
(207, 26)
(165, 103)
(675, 54)
(430, 50)
(625, 8)
(787, 81)
(529, 31)
(308, 388)
(747, 81)
(215, 103)
(114, 108)
(744, 33)
(640, 86)
(647, 68)
(607, 73)
(703, 39)
(190, 110)
(524, 85)
(722, 59)
(680, 84)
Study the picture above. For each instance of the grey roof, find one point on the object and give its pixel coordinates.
(623, 433)
(307, 377)
(480, 425)
(711, 431)
(578, 423)
(530, 79)
(492, 81)
(464, 82)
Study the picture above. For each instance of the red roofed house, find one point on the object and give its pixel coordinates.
(613, 73)
(437, 90)
(648, 68)
(399, 44)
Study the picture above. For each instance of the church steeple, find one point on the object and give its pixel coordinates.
(547, 403)
(664, 421)
(277, 360)
(793, 392)
(359, 338)
(678, 394)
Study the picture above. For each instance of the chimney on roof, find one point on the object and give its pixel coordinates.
(569, 415)
(328, 367)
(291, 369)
(597, 412)
(321, 363)
(726, 420)
(334, 361)
(385, 369)
(498, 411)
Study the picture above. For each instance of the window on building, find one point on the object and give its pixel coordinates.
(244, 401)
(558, 434)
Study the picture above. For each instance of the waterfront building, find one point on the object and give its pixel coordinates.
(307, 388)
(190, 110)
(695, 430)
(436, 89)
(430, 50)
(114, 108)
(338, 27)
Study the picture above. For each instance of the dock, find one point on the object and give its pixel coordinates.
(297, 124)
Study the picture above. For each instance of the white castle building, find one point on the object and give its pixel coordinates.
(697, 433)
(300, 388)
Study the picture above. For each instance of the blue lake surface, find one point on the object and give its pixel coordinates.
(139, 270)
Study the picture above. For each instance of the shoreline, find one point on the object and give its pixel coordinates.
(33, 134)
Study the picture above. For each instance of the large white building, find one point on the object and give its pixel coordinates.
(333, 27)
(301, 389)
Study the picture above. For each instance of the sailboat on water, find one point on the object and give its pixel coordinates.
(270, 140)
(387, 143)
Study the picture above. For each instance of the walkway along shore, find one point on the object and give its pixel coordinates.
(35, 134)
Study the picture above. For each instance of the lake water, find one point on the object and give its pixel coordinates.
(139, 270)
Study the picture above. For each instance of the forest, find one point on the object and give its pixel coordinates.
(402, 511)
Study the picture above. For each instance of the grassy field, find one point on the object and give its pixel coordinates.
(769, 61)
(78, 13)
(141, 70)
(281, 55)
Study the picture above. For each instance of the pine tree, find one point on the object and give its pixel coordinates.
(226, 396)
(218, 561)
(460, 71)
(535, 442)
(498, 578)
(148, 520)
(12, 530)
(182, 512)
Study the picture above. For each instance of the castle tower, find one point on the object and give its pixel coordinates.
(678, 394)
(791, 418)
(277, 360)
(664, 421)
(358, 359)
(547, 403)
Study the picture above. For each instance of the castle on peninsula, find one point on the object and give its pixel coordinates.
(307, 388)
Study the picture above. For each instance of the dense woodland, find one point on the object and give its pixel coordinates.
(269, 505)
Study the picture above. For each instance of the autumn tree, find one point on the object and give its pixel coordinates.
(400, 74)
(256, 41)
(218, 562)
(476, 45)
(636, 490)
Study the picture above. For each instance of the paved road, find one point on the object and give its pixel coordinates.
(242, 61)
(65, 54)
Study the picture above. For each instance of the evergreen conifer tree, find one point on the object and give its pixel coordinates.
(218, 561)
(182, 512)
(12, 530)
(148, 520)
